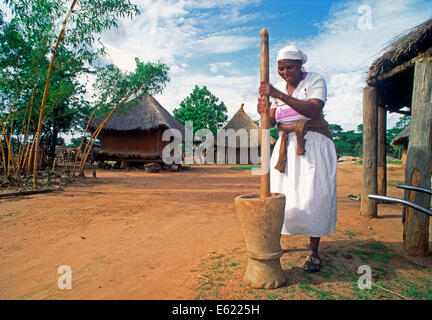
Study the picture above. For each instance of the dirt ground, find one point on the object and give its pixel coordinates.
(175, 235)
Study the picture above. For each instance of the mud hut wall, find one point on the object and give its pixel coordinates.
(238, 152)
(134, 142)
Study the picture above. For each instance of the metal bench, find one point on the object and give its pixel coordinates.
(405, 202)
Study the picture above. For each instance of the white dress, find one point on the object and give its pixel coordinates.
(309, 181)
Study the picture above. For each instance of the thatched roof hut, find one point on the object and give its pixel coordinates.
(394, 70)
(135, 134)
(401, 77)
(405, 47)
(241, 120)
(402, 138)
(141, 114)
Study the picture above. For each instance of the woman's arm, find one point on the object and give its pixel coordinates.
(309, 108)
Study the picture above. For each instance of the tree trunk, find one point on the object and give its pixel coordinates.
(418, 163)
(370, 132)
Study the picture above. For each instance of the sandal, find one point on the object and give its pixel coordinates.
(312, 264)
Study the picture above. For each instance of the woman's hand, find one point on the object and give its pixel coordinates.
(267, 89)
(262, 105)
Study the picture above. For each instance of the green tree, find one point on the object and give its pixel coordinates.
(396, 151)
(347, 142)
(27, 52)
(114, 88)
(202, 108)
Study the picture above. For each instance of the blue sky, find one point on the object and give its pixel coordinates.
(216, 44)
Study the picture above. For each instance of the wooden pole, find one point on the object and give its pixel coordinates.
(265, 116)
(418, 163)
(369, 206)
(382, 161)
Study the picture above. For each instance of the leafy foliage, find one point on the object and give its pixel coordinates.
(27, 40)
(351, 142)
(202, 108)
(347, 142)
(393, 132)
(113, 85)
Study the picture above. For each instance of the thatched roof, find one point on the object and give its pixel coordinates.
(402, 138)
(403, 48)
(142, 114)
(241, 120)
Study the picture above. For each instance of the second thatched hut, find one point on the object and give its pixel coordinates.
(135, 135)
(250, 145)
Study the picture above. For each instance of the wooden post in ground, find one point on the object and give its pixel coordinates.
(419, 158)
(370, 132)
(265, 116)
(382, 161)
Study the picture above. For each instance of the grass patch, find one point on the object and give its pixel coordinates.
(393, 276)
(395, 182)
(321, 294)
(388, 162)
(350, 234)
(377, 250)
(372, 250)
(244, 167)
(7, 215)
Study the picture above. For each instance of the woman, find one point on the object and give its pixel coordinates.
(306, 176)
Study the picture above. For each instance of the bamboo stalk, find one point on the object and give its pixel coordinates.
(3, 155)
(31, 155)
(21, 145)
(10, 151)
(45, 94)
(99, 129)
(81, 142)
(12, 111)
(21, 160)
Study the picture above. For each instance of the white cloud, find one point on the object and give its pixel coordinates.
(215, 67)
(170, 31)
(232, 90)
(343, 52)
(184, 33)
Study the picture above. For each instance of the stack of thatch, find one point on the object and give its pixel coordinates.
(141, 114)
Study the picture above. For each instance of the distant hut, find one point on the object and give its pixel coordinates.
(402, 139)
(239, 121)
(401, 77)
(135, 135)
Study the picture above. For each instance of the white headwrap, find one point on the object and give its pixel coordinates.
(291, 53)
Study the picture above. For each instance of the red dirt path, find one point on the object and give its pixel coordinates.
(145, 232)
